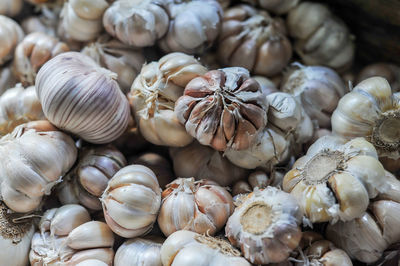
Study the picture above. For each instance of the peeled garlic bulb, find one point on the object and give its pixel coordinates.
(153, 95)
(11, 8)
(276, 6)
(7, 79)
(385, 70)
(139, 251)
(80, 97)
(10, 35)
(200, 206)
(190, 248)
(265, 226)
(131, 201)
(18, 106)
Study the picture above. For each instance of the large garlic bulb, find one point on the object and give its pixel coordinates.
(79, 96)
(265, 226)
(86, 182)
(153, 95)
(200, 206)
(139, 251)
(275, 6)
(371, 111)
(34, 157)
(250, 38)
(131, 201)
(335, 179)
(317, 88)
(388, 71)
(7, 78)
(10, 35)
(321, 38)
(67, 237)
(11, 8)
(190, 248)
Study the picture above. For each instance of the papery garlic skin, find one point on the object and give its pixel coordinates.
(139, 251)
(250, 38)
(131, 201)
(10, 35)
(7, 79)
(190, 248)
(11, 8)
(80, 97)
(388, 71)
(276, 6)
(265, 226)
(153, 95)
(200, 206)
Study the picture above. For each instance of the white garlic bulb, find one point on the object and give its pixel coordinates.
(131, 201)
(79, 96)
(11, 8)
(276, 6)
(7, 79)
(190, 248)
(92, 262)
(10, 35)
(139, 251)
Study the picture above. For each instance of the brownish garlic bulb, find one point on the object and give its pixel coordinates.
(388, 71)
(276, 6)
(139, 251)
(80, 97)
(250, 38)
(200, 206)
(10, 35)
(11, 8)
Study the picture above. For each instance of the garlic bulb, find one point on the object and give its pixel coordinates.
(68, 237)
(190, 248)
(250, 38)
(257, 179)
(153, 95)
(82, 19)
(139, 251)
(267, 85)
(131, 201)
(117, 57)
(224, 108)
(86, 182)
(7, 79)
(317, 88)
(35, 156)
(10, 8)
(91, 262)
(15, 238)
(32, 53)
(276, 6)
(18, 106)
(320, 37)
(265, 226)
(335, 179)
(205, 163)
(200, 206)
(79, 96)
(40, 24)
(388, 71)
(10, 35)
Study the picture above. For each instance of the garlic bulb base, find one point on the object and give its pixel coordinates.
(219, 244)
(9, 229)
(386, 133)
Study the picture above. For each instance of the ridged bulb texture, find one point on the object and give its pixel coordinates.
(288, 127)
(67, 236)
(252, 39)
(224, 109)
(139, 251)
(153, 96)
(19, 105)
(257, 179)
(368, 236)
(371, 111)
(11, 8)
(82, 19)
(388, 71)
(321, 38)
(86, 182)
(80, 97)
(318, 88)
(131, 201)
(119, 58)
(10, 35)
(15, 238)
(265, 226)
(200, 206)
(32, 53)
(189, 248)
(138, 23)
(34, 157)
(7, 79)
(335, 179)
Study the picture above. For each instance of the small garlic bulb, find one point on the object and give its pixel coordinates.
(388, 71)
(318, 88)
(190, 248)
(79, 96)
(252, 39)
(82, 19)
(35, 50)
(153, 95)
(86, 182)
(276, 6)
(10, 35)
(257, 179)
(131, 201)
(335, 179)
(34, 157)
(265, 226)
(7, 79)
(139, 251)
(11, 8)
(320, 37)
(200, 206)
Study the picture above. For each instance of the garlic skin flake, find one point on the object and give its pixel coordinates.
(189, 248)
(80, 97)
(139, 251)
(10, 35)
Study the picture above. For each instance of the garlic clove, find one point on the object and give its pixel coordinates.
(363, 147)
(67, 218)
(387, 214)
(139, 251)
(336, 257)
(105, 255)
(92, 234)
(143, 176)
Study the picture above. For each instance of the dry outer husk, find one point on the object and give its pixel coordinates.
(10, 35)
